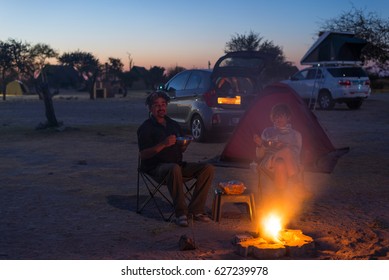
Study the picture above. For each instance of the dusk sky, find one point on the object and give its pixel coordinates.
(171, 32)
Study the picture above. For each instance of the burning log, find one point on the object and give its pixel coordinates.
(290, 243)
(260, 249)
(297, 244)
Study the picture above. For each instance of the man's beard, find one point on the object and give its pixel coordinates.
(161, 113)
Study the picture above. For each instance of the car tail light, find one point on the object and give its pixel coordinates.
(210, 98)
(229, 100)
(367, 83)
(344, 82)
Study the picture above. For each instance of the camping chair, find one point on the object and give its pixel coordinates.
(154, 189)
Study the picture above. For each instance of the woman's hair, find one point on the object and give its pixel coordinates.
(154, 95)
(280, 110)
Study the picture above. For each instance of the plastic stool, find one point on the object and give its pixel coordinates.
(220, 198)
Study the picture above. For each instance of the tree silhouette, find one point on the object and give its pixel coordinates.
(276, 69)
(365, 25)
(18, 60)
(6, 65)
(40, 53)
(156, 76)
(86, 64)
(243, 42)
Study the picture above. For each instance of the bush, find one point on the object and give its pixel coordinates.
(381, 83)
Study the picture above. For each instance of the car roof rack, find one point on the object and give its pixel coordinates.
(337, 63)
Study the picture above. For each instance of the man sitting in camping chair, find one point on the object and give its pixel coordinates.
(278, 149)
(161, 157)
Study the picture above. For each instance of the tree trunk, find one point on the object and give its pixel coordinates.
(91, 85)
(4, 87)
(50, 114)
(125, 91)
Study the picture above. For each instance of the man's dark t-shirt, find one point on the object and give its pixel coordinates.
(150, 133)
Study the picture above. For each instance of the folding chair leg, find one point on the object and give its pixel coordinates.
(189, 188)
(153, 188)
(152, 193)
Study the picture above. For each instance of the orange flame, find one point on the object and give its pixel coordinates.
(271, 227)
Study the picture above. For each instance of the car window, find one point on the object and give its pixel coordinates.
(246, 86)
(251, 62)
(302, 75)
(178, 83)
(194, 81)
(314, 74)
(234, 85)
(347, 72)
(242, 85)
(205, 80)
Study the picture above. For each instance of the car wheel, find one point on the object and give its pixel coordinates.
(325, 101)
(354, 104)
(197, 129)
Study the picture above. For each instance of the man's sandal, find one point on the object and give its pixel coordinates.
(182, 221)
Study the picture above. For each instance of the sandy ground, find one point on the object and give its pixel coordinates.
(72, 194)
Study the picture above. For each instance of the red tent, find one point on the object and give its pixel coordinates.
(318, 153)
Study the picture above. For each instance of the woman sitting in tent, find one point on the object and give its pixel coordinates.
(279, 148)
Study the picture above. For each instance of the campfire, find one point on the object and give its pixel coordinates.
(272, 227)
(274, 241)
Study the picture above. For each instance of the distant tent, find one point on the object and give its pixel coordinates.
(335, 47)
(318, 153)
(16, 88)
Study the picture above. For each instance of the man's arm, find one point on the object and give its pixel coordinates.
(152, 151)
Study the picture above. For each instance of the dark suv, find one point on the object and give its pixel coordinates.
(205, 101)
